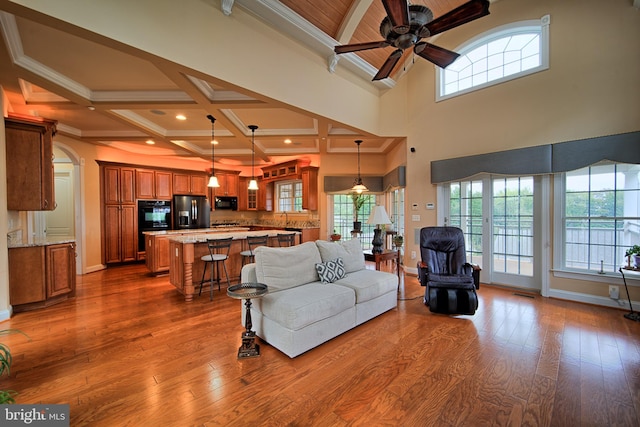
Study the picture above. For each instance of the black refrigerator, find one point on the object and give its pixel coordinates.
(191, 212)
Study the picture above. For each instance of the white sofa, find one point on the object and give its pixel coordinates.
(300, 311)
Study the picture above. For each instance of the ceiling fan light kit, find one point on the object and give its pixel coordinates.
(405, 26)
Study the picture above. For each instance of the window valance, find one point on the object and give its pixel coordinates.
(542, 159)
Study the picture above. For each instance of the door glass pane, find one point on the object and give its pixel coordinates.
(465, 212)
(513, 225)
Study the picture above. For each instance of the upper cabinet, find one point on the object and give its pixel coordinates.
(309, 188)
(154, 184)
(29, 148)
(195, 184)
(229, 182)
(119, 185)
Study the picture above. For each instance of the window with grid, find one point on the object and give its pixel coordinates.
(500, 55)
(343, 218)
(513, 225)
(465, 212)
(289, 196)
(601, 216)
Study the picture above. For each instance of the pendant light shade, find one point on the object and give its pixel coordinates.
(213, 181)
(358, 186)
(253, 184)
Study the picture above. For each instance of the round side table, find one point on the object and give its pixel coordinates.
(246, 291)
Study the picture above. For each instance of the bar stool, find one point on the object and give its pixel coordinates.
(286, 240)
(253, 242)
(218, 253)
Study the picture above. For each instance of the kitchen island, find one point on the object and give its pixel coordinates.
(185, 251)
(156, 244)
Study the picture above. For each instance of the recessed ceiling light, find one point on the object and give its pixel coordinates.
(287, 141)
(181, 117)
(150, 141)
(158, 112)
(91, 107)
(214, 142)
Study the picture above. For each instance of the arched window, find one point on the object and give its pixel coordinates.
(499, 55)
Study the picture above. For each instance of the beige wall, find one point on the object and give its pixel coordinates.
(590, 89)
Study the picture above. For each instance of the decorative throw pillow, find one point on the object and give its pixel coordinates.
(331, 271)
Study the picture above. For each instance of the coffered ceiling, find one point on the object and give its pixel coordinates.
(103, 95)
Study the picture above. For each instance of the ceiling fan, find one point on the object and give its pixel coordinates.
(406, 25)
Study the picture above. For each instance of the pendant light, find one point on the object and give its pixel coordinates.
(253, 184)
(358, 186)
(213, 181)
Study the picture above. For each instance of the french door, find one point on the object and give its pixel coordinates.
(500, 218)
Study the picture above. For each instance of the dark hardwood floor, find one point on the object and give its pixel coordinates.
(128, 351)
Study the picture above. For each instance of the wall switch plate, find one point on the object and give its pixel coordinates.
(614, 292)
(415, 218)
(413, 255)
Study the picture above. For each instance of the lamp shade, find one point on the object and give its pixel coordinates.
(213, 182)
(378, 216)
(253, 185)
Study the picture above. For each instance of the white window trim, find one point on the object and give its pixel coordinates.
(558, 243)
(541, 25)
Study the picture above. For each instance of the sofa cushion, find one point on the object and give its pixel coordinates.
(330, 271)
(369, 284)
(284, 268)
(350, 251)
(303, 305)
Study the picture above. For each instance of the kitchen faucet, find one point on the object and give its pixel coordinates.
(286, 218)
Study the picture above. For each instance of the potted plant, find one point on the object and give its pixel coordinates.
(398, 240)
(359, 200)
(635, 252)
(335, 236)
(7, 396)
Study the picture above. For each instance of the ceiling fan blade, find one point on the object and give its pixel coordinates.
(388, 65)
(360, 46)
(436, 54)
(467, 12)
(398, 13)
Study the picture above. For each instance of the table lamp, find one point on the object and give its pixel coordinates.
(378, 217)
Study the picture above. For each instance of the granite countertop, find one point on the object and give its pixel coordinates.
(237, 235)
(39, 242)
(196, 231)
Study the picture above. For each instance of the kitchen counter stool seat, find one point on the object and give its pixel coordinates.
(253, 242)
(218, 254)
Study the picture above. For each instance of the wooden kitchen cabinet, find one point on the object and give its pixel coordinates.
(184, 183)
(265, 196)
(40, 276)
(309, 188)
(157, 246)
(119, 225)
(156, 185)
(118, 185)
(229, 182)
(120, 233)
(29, 164)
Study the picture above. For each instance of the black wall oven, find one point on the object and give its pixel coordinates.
(153, 215)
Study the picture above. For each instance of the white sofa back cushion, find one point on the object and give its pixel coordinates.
(350, 251)
(284, 268)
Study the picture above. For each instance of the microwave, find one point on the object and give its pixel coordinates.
(226, 203)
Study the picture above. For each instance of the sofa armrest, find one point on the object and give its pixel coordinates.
(248, 274)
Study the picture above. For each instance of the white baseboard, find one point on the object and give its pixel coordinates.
(6, 314)
(593, 299)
